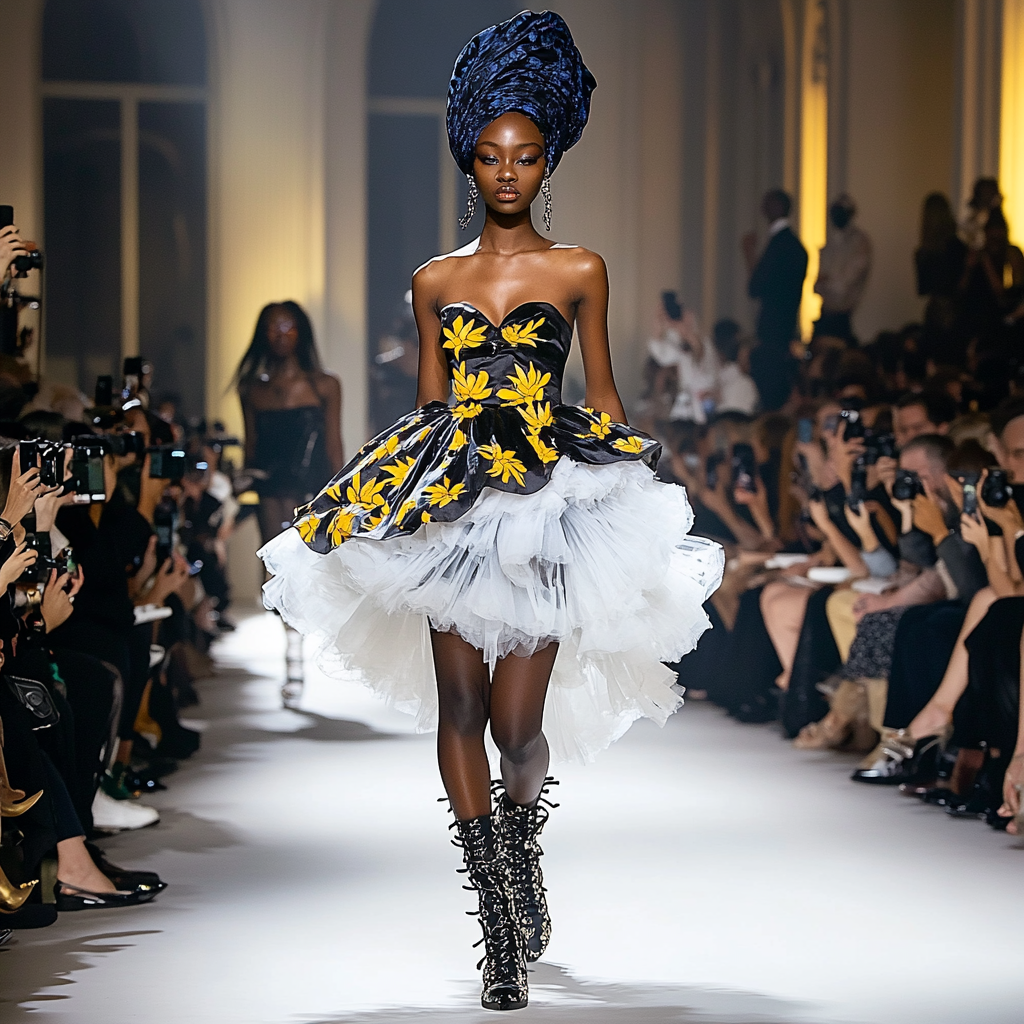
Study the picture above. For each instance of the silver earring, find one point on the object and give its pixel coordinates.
(474, 194)
(545, 189)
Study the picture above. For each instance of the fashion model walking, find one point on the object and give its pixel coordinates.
(496, 557)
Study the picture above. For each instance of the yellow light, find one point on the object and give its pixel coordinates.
(1011, 119)
(813, 154)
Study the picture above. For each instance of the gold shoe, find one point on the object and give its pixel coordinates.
(11, 806)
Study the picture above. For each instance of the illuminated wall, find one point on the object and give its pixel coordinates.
(1011, 121)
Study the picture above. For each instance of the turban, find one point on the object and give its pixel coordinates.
(528, 64)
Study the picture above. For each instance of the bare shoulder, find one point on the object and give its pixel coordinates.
(429, 279)
(328, 385)
(586, 268)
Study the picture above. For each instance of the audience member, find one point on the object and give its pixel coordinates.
(843, 269)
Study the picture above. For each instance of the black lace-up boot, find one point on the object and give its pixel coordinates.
(518, 830)
(504, 965)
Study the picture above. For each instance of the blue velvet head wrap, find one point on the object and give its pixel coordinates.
(528, 64)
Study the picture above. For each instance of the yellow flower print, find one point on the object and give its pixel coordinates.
(385, 511)
(505, 464)
(422, 434)
(537, 416)
(470, 387)
(523, 334)
(340, 527)
(398, 471)
(603, 427)
(544, 451)
(467, 412)
(365, 496)
(307, 527)
(444, 493)
(458, 442)
(333, 492)
(425, 518)
(406, 508)
(632, 444)
(463, 335)
(526, 387)
(389, 447)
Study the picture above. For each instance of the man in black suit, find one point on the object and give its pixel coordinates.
(777, 279)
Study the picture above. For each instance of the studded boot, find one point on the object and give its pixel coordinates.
(504, 965)
(518, 830)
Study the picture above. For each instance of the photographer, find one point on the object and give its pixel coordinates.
(11, 247)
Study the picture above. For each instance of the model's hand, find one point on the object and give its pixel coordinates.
(1012, 781)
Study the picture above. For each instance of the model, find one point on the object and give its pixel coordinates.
(292, 410)
(498, 557)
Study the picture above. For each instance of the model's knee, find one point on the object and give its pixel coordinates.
(463, 711)
(516, 741)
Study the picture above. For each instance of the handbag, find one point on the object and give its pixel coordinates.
(36, 700)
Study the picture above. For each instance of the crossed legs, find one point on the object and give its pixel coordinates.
(512, 699)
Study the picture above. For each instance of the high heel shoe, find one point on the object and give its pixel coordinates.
(518, 828)
(504, 962)
(12, 896)
(899, 758)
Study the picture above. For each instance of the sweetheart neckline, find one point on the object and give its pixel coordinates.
(508, 316)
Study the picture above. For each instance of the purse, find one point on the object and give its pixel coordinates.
(36, 700)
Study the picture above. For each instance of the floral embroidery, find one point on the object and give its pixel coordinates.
(632, 444)
(398, 471)
(340, 527)
(467, 412)
(505, 463)
(603, 427)
(544, 451)
(365, 496)
(463, 335)
(537, 416)
(526, 387)
(389, 447)
(470, 387)
(307, 527)
(523, 334)
(444, 493)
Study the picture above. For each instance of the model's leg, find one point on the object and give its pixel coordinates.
(462, 697)
(275, 515)
(518, 689)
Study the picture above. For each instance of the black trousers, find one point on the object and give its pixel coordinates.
(774, 370)
(986, 715)
(924, 642)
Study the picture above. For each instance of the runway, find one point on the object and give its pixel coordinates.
(706, 873)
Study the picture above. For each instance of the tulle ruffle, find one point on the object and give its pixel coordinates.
(598, 560)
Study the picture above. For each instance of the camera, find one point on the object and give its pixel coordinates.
(32, 259)
(805, 431)
(48, 456)
(670, 303)
(167, 462)
(906, 486)
(997, 490)
(858, 483)
(744, 468)
(711, 469)
(39, 572)
(879, 446)
(129, 443)
(104, 414)
(854, 424)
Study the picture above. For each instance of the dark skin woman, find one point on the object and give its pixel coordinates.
(292, 410)
(513, 264)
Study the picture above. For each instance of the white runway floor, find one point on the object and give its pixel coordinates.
(704, 873)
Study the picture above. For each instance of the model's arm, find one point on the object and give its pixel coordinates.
(432, 382)
(592, 327)
(250, 430)
(329, 388)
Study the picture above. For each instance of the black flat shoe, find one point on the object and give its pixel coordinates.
(124, 878)
(83, 899)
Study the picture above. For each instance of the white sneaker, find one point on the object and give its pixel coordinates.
(110, 814)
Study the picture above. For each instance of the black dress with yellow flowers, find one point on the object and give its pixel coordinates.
(506, 428)
(514, 521)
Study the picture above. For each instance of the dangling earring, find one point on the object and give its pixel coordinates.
(474, 194)
(545, 189)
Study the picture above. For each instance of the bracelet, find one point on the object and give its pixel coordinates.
(5, 530)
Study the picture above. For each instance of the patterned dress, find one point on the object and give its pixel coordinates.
(514, 521)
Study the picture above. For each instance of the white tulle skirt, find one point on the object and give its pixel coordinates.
(598, 560)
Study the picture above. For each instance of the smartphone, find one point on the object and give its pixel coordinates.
(805, 431)
(744, 468)
(87, 480)
(28, 455)
(970, 485)
(673, 308)
(6, 216)
(104, 391)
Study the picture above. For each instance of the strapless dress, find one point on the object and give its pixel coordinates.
(514, 521)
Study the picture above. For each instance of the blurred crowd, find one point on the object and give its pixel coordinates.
(113, 584)
(868, 496)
